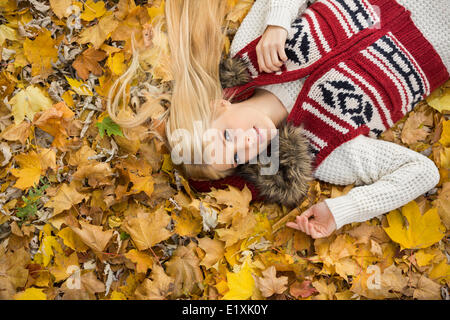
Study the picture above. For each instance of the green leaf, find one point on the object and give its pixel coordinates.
(110, 127)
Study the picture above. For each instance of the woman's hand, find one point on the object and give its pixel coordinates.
(317, 221)
(270, 49)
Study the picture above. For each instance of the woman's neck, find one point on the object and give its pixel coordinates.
(266, 102)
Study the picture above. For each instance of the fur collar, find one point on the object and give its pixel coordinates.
(290, 184)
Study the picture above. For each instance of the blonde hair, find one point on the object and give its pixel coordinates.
(196, 42)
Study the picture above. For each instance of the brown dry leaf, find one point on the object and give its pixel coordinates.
(93, 236)
(97, 174)
(269, 284)
(184, 268)
(303, 289)
(148, 228)
(65, 198)
(415, 128)
(17, 132)
(427, 289)
(55, 121)
(88, 62)
(187, 223)
(60, 7)
(214, 251)
(143, 261)
(158, 288)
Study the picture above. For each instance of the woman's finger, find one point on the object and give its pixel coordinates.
(293, 225)
(275, 60)
(282, 53)
(268, 59)
(260, 57)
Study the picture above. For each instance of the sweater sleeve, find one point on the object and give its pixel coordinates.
(283, 12)
(386, 177)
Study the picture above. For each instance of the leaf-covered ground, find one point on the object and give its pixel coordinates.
(90, 210)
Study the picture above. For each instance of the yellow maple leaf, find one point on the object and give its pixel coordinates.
(93, 10)
(143, 261)
(29, 172)
(60, 7)
(31, 294)
(445, 158)
(445, 136)
(49, 246)
(422, 230)
(41, 52)
(79, 87)
(63, 267)
(116, 63)
(28, 102)
(239, 10)
(439, 99)
(155, 13)
(7, 33)
(241, 284)
(98, 33)
(115, 295)
(72, 240)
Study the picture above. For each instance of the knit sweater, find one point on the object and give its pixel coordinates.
(393, 175)
(430, 16)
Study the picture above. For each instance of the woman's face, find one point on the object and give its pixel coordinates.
(242, 132)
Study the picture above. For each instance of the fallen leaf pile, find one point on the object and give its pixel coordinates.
(90, 210)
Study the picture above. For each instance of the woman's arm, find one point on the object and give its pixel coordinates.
(283, 12)
(392, 176)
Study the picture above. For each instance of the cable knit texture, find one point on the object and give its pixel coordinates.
(427, 15)
(386, 175)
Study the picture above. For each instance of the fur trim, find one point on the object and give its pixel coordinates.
(290, 184)
(233, 72)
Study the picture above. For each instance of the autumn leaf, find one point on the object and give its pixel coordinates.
(241, 284)
(184, 268)
(439, 99)
(7, 33)
(72, 240)
(416, 127)
(41, 52)
(158, 288)
(31, 294)
(214, 251)
(421, 231)
(148, 228)
(88, 62)
(65, 198)
(93, 10)
(29, 172)
(60, 7)
(110, 127)
(26, 103)
(98, 33)
(143, 261)
(93, 236)
(269, 284)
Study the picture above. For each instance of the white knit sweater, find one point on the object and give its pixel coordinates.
(386, 175)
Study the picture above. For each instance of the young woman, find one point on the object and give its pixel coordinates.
(330, 80)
